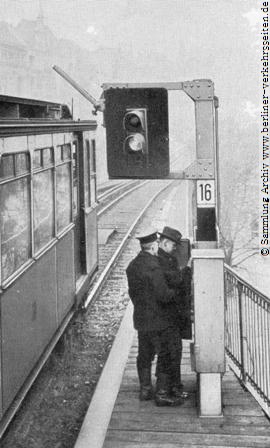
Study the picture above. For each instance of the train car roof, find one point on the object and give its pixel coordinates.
(14, 108)
(25, 116)
(20, 100)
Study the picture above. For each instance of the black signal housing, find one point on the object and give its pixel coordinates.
(137, 132)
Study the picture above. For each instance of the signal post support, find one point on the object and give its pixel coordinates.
(136, 121)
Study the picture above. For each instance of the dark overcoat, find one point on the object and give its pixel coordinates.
(179, 310)
(148, 290)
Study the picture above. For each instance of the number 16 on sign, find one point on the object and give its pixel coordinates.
(206, 193)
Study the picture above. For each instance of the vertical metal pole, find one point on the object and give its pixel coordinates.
(205, 114)
(242, 330)
(218, 202)
(208, 293)
(205, 126)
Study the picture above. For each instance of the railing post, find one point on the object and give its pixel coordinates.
(242, 331)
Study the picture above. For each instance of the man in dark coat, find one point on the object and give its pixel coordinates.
(148, 291)
(176, 279)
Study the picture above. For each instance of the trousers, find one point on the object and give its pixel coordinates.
(167, 345)
(173, 356)
(160, 343)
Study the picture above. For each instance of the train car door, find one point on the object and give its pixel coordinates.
(76, 210)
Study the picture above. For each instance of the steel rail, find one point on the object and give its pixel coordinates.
(107, 269)
(104, 209)
(113, 188)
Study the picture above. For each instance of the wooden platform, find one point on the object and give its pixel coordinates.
(137, 424)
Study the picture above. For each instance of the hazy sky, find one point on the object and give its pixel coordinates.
(216, 39)
(155, 23)
(207, 32)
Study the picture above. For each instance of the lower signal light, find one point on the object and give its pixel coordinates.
(135, 143)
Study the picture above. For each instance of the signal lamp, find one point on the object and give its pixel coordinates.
(135, 142)
(135, 120)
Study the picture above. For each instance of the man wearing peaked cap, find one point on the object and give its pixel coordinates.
(149, 238)
(175, 278)
(149, 291)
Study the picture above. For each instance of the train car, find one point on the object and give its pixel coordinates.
(48, 232)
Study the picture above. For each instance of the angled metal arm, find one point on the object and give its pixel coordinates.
(98, 105)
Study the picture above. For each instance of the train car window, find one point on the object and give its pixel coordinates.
(75, 178)
(47, 157)
(7, 166)
(66, 154)
(43, 208)
(91, 172)
(93, 155)
(63, 189)
(43, 198)
(15, 217)
(93, 181)
(88, 175)
(37, 163)
(58, 154)
(21, 163)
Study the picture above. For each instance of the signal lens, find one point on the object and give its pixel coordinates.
(135, 142)
(133, 120)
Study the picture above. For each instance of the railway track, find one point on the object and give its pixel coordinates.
(116, 193)
(107, 190)
(64, 387)
(124, 232)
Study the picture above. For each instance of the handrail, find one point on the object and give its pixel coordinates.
(245, 282)
(247, 339)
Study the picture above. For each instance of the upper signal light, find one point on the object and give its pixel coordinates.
(135, 120)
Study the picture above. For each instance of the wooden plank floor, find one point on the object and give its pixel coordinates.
(137, 424)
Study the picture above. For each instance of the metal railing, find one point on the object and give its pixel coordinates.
(247, 335)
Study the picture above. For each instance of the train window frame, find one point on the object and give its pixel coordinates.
(46, 163)
(91, 174)
(75, 167)
(40, 168)
(87, 195)
(49, 158)
(18, 176)
(60, 162)
(4, 177)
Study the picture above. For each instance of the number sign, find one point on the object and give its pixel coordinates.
(205, 193)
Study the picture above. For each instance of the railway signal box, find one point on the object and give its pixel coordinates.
(137, 131)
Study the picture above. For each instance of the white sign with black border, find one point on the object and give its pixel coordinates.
(206, 193)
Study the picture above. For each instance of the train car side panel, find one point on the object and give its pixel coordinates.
(91, 238)
(65, 275)
(28, 321)
(47, 228)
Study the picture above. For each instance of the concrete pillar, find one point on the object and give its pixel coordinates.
(209, 350)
